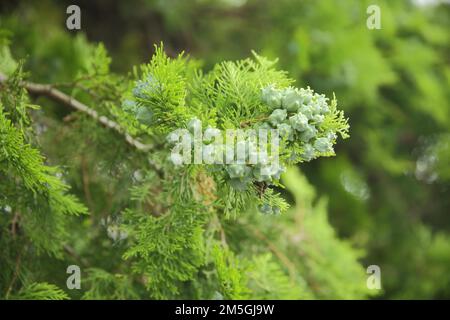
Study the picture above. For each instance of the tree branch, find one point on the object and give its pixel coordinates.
(16, 272)
(58, 96)
(280, 255)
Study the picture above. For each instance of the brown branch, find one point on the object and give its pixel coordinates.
(15, 274)
(280, 255)
(86, 182)
(223, 237)
(14, 224)
(245, 123)
(58, 96)
(71, 251)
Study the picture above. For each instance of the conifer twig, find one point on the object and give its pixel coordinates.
(14, 224)
(51, 92)
(15, 274)
(71, 251)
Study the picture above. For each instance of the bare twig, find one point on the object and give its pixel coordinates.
(14, 223)
(223, 237)
(250, 121)
(71, 251)
(15, 274)
(86, 182)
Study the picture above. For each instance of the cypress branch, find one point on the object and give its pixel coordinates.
(51, 92)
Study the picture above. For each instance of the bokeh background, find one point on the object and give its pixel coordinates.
(388, 186)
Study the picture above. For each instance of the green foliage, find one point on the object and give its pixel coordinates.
(104, 285)
(270, 281)
(40, 291)
(157, 230)
(7, 63)
(234, 95)
(167, 250)
(168, 235)
(41, 198)
(231, 277)
(331, 262)
(162, 89)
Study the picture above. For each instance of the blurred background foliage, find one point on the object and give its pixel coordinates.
(388, 188)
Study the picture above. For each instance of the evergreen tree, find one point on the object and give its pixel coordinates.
(88, 178)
